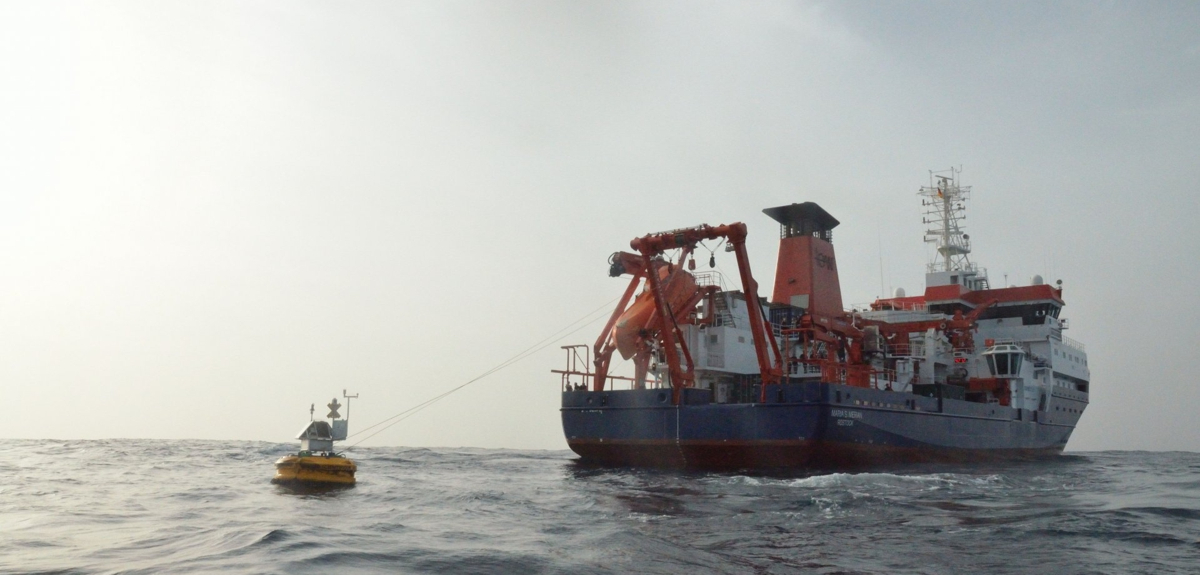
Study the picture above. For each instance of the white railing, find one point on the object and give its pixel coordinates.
(801, 368)
(710, 278)
(907, 350)
(1075, 344)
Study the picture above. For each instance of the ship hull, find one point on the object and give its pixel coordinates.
(803, 425)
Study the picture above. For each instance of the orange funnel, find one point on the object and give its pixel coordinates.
(806, 275)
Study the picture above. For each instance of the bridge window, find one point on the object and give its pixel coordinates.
(998, 364)
(1004, 363)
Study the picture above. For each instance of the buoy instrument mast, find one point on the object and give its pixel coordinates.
(317, 462)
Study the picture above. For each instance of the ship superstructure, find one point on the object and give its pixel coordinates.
(724, 378)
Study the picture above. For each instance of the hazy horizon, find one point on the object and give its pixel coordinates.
(216, 214)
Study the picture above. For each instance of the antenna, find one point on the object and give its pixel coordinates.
(882, 293)
(348, 397)
(945, 206)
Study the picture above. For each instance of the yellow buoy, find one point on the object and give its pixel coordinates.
(306, 468)
(317, 463)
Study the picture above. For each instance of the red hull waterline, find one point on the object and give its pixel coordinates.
(789, 454)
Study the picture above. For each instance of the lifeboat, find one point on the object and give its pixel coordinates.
(635, 323)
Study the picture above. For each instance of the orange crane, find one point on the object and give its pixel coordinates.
(669, 297)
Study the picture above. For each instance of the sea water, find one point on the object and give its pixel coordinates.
(149, 506)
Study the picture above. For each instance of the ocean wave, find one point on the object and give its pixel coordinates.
(209, 507)
(1187, 513)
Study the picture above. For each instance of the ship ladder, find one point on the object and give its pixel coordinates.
(721, 306)
(678, 444)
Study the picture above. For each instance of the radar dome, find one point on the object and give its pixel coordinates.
(1036, 280)
(899, 292)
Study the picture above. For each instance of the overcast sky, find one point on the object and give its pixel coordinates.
(213, 214)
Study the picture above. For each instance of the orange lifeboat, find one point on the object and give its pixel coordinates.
(678, 287)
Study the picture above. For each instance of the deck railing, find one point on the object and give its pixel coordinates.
(710, 278)
(1075, 344)
(906, 350)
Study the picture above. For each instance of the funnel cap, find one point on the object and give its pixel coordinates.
(804, 218)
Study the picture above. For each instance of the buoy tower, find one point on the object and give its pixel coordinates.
(317, 463)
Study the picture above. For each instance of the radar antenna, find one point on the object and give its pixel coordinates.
(944, 202)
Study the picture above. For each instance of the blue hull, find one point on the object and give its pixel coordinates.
(805, 425)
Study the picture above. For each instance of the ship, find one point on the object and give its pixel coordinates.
(727, 379)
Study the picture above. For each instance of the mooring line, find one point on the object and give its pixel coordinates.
(543, 344)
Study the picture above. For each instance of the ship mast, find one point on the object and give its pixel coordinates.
(944, 202)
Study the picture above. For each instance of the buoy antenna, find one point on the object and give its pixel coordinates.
(348, 397)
